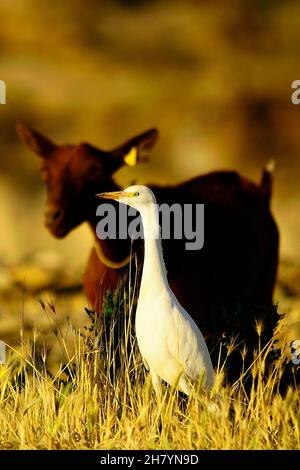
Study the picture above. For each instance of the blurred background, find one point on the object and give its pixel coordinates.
(214, 78)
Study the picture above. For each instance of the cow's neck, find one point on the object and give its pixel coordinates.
(114, 250)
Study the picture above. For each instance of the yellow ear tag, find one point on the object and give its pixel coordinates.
(131, 157)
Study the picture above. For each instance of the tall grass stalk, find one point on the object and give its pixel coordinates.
(102, 397)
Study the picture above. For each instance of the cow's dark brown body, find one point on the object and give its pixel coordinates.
(234, 272)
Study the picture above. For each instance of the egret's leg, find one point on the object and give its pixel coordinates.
(156, 383)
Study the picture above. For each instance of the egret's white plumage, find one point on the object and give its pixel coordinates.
(171, 344)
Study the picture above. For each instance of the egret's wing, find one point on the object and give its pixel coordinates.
(186, 345)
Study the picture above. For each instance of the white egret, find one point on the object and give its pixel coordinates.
(170, 342)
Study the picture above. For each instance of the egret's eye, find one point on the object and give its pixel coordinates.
(136, 194)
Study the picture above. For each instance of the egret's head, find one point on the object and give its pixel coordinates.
(136, 196)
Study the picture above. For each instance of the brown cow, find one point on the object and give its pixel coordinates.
(225, 285)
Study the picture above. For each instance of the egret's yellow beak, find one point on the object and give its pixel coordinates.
(116, 195)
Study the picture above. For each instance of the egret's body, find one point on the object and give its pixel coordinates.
(170, 342)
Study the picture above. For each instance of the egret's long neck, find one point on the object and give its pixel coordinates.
(154, 271)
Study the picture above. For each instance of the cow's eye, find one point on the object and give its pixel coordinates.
(95, 171)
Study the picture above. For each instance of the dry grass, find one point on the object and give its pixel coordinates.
(92, 404)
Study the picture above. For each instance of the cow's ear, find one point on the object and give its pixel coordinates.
(132, 152)
(36, 142)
